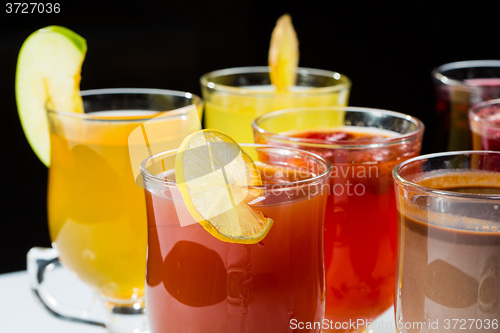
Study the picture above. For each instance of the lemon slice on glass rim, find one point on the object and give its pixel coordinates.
(214, 176)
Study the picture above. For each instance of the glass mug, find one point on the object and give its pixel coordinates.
(458, 86)
(360, 222)
(236, 96)
(449, 243)
(197, 283)
(484, 120)
(96, 210)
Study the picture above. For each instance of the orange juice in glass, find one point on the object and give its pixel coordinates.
(236, 96)
(96, 210)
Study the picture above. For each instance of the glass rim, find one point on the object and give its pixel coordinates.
(197, 102)
(206, 80)
(317, 178)
(438, 72)
(319, 143)
(473, 116)
(401, 181)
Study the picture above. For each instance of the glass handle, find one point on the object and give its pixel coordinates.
(41, 261)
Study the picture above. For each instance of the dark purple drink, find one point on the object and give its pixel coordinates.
(458, 86)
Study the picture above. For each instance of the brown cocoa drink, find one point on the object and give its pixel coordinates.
(449, 260)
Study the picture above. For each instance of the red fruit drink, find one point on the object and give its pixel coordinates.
(361, 218)
(360, 228)
(198, 283)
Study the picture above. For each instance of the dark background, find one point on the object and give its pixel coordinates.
(388, 51)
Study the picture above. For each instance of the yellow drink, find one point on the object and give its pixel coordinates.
(235, 97)
(96, 210)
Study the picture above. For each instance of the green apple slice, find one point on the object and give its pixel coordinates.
(48, 77)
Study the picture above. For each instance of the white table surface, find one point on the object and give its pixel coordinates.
(20, 312)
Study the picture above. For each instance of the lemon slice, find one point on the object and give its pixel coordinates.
(213, 175)
(48, 76)
(283, 54)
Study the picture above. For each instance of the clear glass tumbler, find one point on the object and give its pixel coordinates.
(198, 283)
(458, 86)
(236, 96)
(448, 243)
(363, 145)
(484, 120)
